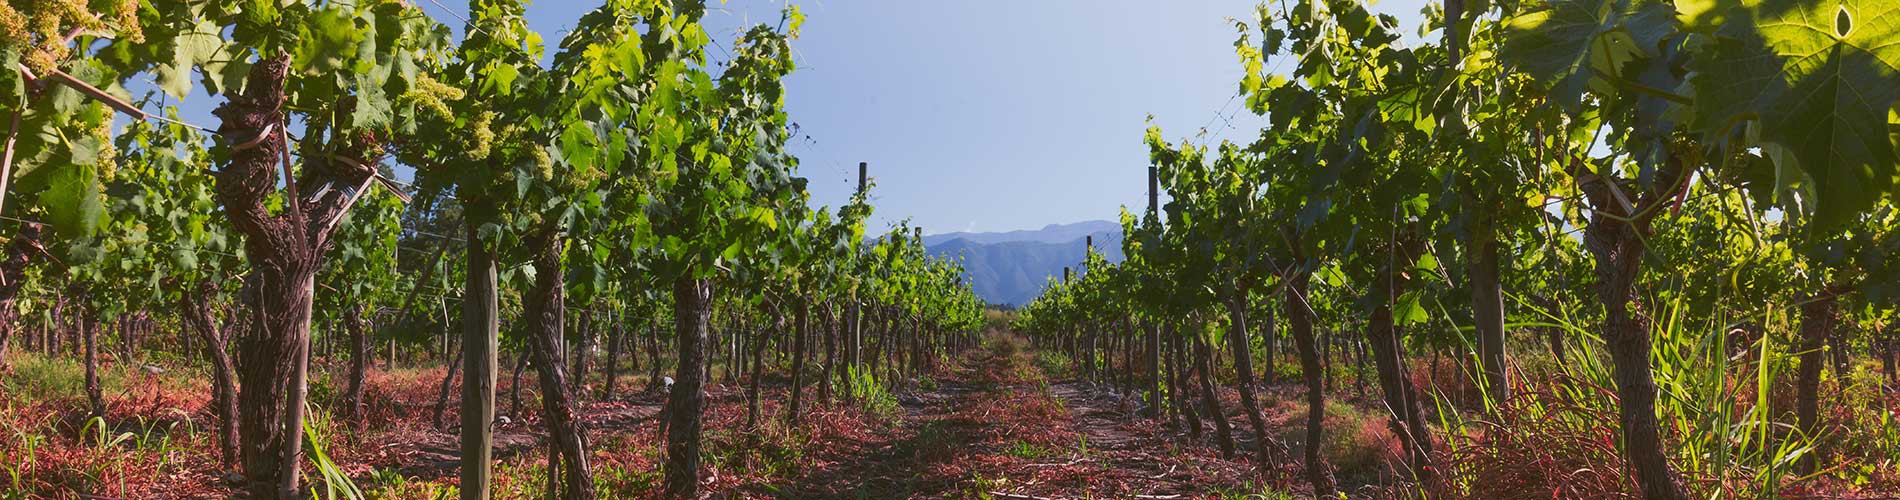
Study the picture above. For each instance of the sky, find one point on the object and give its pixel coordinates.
(984, 115)
(987, 115)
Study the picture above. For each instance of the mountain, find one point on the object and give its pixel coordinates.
(1011, 267)
(1053, 233)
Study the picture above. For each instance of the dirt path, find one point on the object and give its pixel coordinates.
(431, 453)
(990, 424)
(917, 457)
(989, 427)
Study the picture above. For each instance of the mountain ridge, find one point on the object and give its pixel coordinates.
(1011, 267)
(1051, 233)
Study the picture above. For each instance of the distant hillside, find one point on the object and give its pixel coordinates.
(1011, 268)
(1053, 233)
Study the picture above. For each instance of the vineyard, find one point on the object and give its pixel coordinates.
(1595, 249)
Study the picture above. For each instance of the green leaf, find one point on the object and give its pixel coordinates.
(523, 180)
(86, 149)
(328, 38)
(174, 80)
(1566, 44)
(1408, 311)
(229, 74)
(374, 109)
(578, 146)
(190, 48)
(73, 201)
(501, 79)
(1820, 77)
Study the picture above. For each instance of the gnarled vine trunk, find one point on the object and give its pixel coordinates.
(514, 386)
(801, 323)
(94, 395)
(1817, 326)
(830, 331)
(1267, 446)
(1617, 247)
(583, 358)
(653, 354)
(1181, 399)
(442, 391)
(285, 251)
(1388, 357)
(283, 270)
(359, 368)
(20, 253)
(546, 309)
(692, 315)
(202, 318)
(1487, 307)
(1151, 362)
(1204, 363)
(1299, 316)
(615, 337)
(758, 368)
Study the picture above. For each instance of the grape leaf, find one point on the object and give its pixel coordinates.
(373, 106)
(1409, 310)
(1820, 77)
(198, 45)
(72, 201)
(1572, 40)
(1555, 44)
(328, 39)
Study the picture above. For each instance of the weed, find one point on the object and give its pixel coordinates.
(40, 378)
(1355, 442)
(317, 429)
(1054, 364)
(1026, 450)
(981, 485)
(871, 395)
(1253, 491)
(385, 484)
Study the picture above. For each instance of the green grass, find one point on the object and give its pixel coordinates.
(1353, 440)
(1253, 491)
(1028, 451)
(318, 427)
(1054, 364)
(39, 378)
(871, 396)
(1724, 426)
(385, 484)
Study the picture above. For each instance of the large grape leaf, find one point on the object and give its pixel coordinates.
(328, 39)
(198, 45)
(1820, 77)
(1567, 43)
(72, 201)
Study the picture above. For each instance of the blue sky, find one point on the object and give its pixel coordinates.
(994, 115)
(987, 115)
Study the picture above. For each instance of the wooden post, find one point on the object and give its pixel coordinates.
(1152, 356)
(1154, 191)
(481, 327)
(854, 326)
